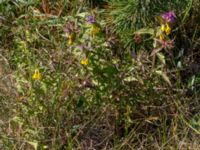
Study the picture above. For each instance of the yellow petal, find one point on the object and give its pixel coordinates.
(161, 37)
(71, 38)
(163, 27)
(167, 29)
(95, 29)
(36, 75)
(84, 62)
(70, 42)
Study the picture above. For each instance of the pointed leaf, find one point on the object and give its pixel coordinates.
(130, 78)
(34, 144)
(164, 76)
(145, 31)
(161, 57)
(156, 50)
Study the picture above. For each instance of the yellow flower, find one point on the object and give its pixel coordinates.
(163, 27)
(95, 29)
(71, 36)
(84, 61)
(36, 75)
(161, 37)
(70, 42)
(166, 28)
(71, 39)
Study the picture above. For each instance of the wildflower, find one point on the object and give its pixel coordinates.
(71, 39)
(69, 28)
(166, 28)
(163, 27)
(169, 17)
(36, 75)
(90, 19)
(95, 29)
(70, 42)
(70, 31)
(161, 37)
(84, 61)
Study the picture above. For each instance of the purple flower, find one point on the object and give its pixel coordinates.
(70, 28)
(169, 16)
(90, 19)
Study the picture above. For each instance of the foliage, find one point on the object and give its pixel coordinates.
(99, 74)
(128, 16)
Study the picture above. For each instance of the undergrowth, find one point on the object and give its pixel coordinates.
(94, 74)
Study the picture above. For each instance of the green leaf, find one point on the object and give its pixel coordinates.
(80, 102)
(145, 31)
(156, 50)
(34, 144)
(161, 57)
(130, 79)
(110, 71)
(83, 15)
(17, 120)
(164, 76)
(192, 82)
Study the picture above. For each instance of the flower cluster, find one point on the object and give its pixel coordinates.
(70, 31)
(166, 28)
(95, 29)
(168, 19)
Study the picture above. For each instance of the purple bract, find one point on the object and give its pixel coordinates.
(90, 19)
(169, 16)
(167, 43)
(69, 28)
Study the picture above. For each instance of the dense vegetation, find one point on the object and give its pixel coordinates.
(99, 74)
